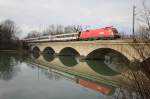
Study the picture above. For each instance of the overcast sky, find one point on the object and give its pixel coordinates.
(38, 14)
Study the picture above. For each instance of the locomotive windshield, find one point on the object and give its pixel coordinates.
(114, 30)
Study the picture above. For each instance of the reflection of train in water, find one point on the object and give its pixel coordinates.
(93, 34)
(87, 83)
(102, 88)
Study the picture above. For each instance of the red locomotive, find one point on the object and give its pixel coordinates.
(103, 33)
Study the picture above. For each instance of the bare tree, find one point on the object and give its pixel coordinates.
(68, 29)
(144, 20)
(8, 30)
(59, 29)
(73, 28)
(78, 28)
(51, 30)
(146, 14)
(33, 34)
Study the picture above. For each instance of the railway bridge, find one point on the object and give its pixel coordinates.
(125, 50)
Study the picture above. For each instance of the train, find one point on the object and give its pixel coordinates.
(106, 33)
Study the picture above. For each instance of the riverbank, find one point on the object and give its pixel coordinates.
(8, 50)
(11, 51)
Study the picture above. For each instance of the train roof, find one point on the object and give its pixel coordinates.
(67, 33)
(98, 28)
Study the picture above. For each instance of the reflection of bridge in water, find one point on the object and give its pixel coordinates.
(103, 88)
(95, 75)
(95, 70)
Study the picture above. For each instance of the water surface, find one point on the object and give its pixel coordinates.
(24, 77)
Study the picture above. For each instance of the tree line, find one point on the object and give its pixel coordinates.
(8, 38)
(55, 29)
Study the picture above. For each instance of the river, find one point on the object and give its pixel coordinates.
(30, 76)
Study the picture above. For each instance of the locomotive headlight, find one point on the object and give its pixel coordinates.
(110, 31)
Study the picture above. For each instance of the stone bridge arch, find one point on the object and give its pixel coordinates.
(35, 49)
(48, 50)
(84, 48)
(69, 51)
